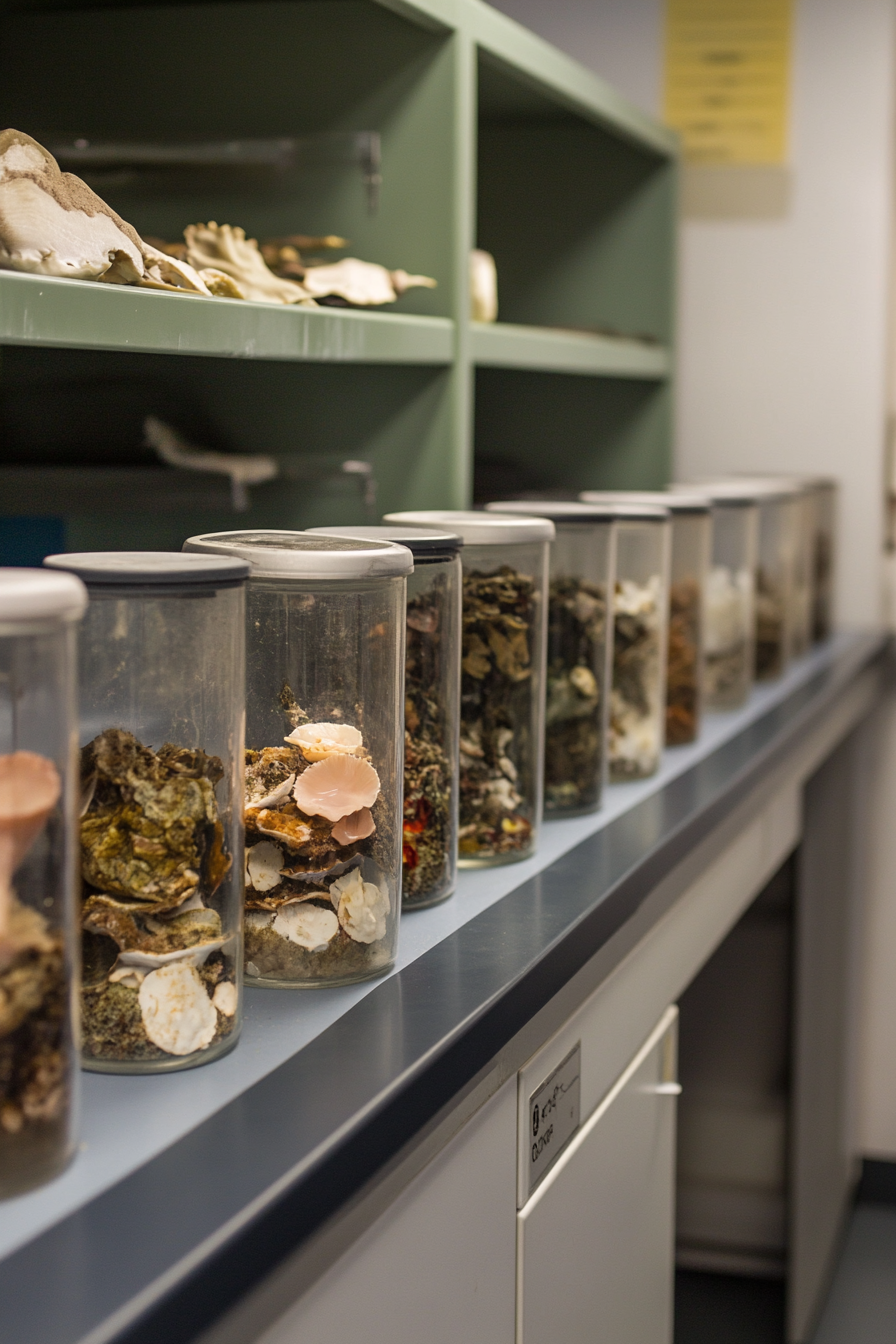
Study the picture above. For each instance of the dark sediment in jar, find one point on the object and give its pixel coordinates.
(573, 737)
(683, 666)
(769, 627)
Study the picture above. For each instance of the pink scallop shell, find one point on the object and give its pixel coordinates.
(337, 786)
(356, 826)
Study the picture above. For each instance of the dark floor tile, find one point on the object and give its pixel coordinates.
(727, 1309)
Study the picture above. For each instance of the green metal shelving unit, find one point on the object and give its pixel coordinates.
(489, 138)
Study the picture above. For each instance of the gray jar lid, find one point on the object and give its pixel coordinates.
(152, 568)
(694, 503)
(558, 510)
(424, 543)
(36, 595)
(742, 490)
(305, 556)
(481, 529)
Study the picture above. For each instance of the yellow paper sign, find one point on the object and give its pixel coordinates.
(728, 77)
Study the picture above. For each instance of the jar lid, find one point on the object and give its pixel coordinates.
(303, 555)
(676, 503)
(36, 595)
(424, 543)
(558, 510)
(744, 490)
(480, 529)
(168, 569)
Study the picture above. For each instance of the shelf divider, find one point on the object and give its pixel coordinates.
(556, 350)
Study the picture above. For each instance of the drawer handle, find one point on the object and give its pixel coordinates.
(665, 1089)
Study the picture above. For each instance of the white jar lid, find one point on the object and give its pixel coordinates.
(149, 569)
(302, 555)
(675, 503)
(35, 595)
(480, 529)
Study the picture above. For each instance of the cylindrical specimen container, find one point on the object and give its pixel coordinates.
(325, 619)
(729, 620)
(39, 612)
(691, 525)
(431, 708)
(579, 648)
(640, 614)
(824, 550)
(161, 711)
(505, 569)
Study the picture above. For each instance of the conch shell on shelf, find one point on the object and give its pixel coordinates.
(228, 251)
(336, 787)
(29, 790)
(320, 740)
(51, 223)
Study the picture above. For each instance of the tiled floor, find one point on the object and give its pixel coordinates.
(860, 1309)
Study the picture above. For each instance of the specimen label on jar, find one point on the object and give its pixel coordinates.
(554, 1109)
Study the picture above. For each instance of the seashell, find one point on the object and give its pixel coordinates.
(263, 863)
(310, 926)
(361, 907)
(584, 681)
(258, 919)
(320, 740)
(151, 961)
(291, 830)
(29, 790)
(336, 787)
(278, 795)
(356, 826)
(177, 1013)
(131, 977)
(321, 875)
(224, 998)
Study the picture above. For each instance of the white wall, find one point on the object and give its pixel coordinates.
(783, 349)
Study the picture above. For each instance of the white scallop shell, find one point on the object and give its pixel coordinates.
(276, 795)
(336, 787)
(361, 907)
(320, 740)
(310, 926)
(178, 1015)
(263, 864)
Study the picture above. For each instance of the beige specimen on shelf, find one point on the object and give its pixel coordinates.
(227, 250)
(51, 223)
(362, 283)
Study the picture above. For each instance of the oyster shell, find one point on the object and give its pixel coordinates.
(320, 740)
(361, 907)
(263, 864)
(286, 826)
(177, 1013)
(336, 787)
(225, 998)
(310, 926)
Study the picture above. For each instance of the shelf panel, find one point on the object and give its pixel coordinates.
(37, 310)
(504, 345)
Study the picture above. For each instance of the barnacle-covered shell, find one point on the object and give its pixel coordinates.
(336, 787)
(310, 926)
(356, 826)
(361, 906)
(320, 740)
(224, 998)
(263, 862)
(177, 1013)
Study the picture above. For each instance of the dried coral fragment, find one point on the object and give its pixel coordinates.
(356, 826)
(177, 1013)
(361, 907)
(336, 787)
(320, 740)
(51, 223)
(229, 251)
(310, 926)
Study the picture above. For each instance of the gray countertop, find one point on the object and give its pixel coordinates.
(188, 1181)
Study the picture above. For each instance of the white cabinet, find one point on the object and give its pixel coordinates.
(595, 1242)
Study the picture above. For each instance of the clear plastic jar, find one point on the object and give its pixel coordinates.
(39, 612)
(505, 568)
(324, 670)
(579, 646)
(640, 614)
(161, 692)
(824, 538)
(431, 708)
(728, 654)
(689, 568)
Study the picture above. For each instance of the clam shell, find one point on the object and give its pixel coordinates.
(310, 926)
(361, 907)
(356, 826)
(336, 787)
(263, 864)
(178, 1015)
(320, 740)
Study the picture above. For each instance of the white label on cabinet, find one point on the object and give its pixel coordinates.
(554, 1115)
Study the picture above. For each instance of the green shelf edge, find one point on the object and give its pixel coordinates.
(504, 345)
(38, 310)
